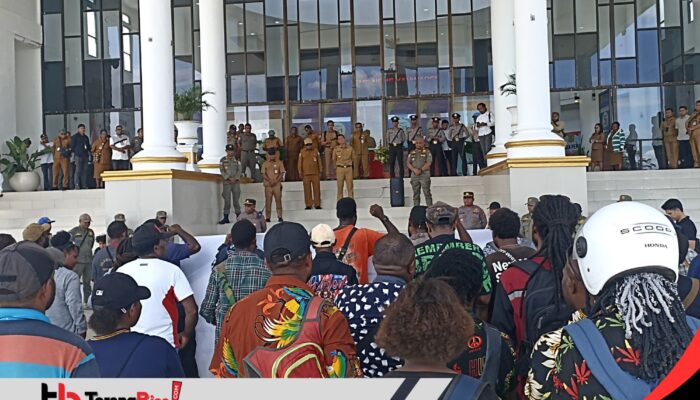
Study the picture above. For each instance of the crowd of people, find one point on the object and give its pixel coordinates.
(552, 307)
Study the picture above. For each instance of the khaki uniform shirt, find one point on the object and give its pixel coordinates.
(414, 133)
(255, 218)
(359, 141)
(274, 171)
(472, 217)
(86, 241)
(693, 123)
(395, 136)
(420, 158)
(316, 145)
(309, 162)
(230, 168)
(248, 142)
(294, 146)
(342, 156)
(60, 144)
(232, 138)
(668, 127)
(272, 143)
(457, 132)
(526, 226)
(558, 128)
(435, 136)
(331, 137)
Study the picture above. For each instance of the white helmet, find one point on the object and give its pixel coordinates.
(624, 237)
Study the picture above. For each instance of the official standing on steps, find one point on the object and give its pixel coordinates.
(436, 137)
(230, 169)
(342, 158)
(419, 162)
(396, 138)
(84, 238)
(293, 144)
(330, 140)
(273, 174)
(248, 158)
(414, 132)
(526, 220)
(310, 170)
(456, 134)
(359, 141)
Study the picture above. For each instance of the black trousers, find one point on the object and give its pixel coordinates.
(685, 156)
(632, 157)
(439, 162)
(395, 154)
(660, 154)
(457, 147)
(478, 159)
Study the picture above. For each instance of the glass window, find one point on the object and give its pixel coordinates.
(306, 114)
(671, 54)
(53, 82)
(461, 6)
(235, 67)
(626, 71)
(132, 59)
(235, 30)
(605, 72)
(624, 31)
(53, 38)
(328, 27)
(366, 23)
(429, 108)
(346, 48)
(692, 67)
(182, 28)
(443, 42)
(463, 80)
(587, 59)
(310, 80)
(74, 62)
(462, 41)
(73, 120)
(274, 12)
(691, 26)
(130, 15)
(648, 56)
(92, 35)
(111, 25)
(71, 17)
(635, 109)
(236, 115)
(92, 71)
(389, 47)
(604, 46)
(646, 13)
(585, 16)
(345, 10)
(441, 7)
(53, 123)
(255, 27)
(113, 84)
(308, 26)
(340, 114)
(75, 98)
(275, 51)
(563, 16)
(330, 73)
(482, 69)
(369, 113)
(669, 13)
(266, 118)
(482, 19)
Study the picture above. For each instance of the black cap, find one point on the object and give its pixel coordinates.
(456, 115)
(494, 205)
(394, 119)
(117, 291)
(436, 119)
(230, 147)
(24, 269)
(62, 240)
(413, 117)
(286, 242)
(147, 236)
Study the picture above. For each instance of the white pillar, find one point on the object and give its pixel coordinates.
(533, 137)
(157, 88)
(503, 45)
(213, 52)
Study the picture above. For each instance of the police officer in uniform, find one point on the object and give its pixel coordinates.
(470, 215)
(310, 170)
(272, 142)
(273, 174)
(84, 238)
(254, 216)
(526, 220)
(436, 137)
(342, 157)
(248, 144)
(230, 169)
(359, 141)
(456, 134)
(396, 138)
(231, 135)
(413, 132)
(419, 162)
(330, 140)
(294, 144)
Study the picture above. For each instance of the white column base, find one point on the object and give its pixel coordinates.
(497, 154)
(209, 165)
(534, 182)
(535, 143)
(158, 158)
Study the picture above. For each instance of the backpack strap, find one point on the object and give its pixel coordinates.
(693, 294)
(464, 387)
(493, 355)
(693, 323)
(596, 352)
(224, 286)
(346, 245)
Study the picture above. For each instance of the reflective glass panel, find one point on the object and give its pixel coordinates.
(53, 38)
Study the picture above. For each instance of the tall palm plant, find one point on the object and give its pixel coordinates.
(190, 102)
(510, 87)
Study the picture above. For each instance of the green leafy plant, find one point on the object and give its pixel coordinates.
(382, 155)
(190, 102)
(510, 87)
(18, 159)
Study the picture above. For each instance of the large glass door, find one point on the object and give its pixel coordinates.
(369, 113)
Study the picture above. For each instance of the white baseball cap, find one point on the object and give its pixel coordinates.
(322, 235)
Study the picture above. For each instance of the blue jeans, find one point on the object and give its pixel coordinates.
(47, 172)
(80, 172)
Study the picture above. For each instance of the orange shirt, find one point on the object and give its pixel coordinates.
(271, 317)
(360, 249)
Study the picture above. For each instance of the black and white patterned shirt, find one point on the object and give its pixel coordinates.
(363, 306)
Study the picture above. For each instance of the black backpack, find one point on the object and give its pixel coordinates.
(540, 308)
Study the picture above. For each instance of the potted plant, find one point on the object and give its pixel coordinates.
(20, 166)
(510, 88)
(187, 104)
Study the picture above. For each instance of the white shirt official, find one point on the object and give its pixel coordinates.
(488, 119)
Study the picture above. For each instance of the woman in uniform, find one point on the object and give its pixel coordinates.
(597, 146)
(101, 157)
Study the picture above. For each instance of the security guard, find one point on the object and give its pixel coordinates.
(84, 238)
(470, 215)
(230, 169)
(330, 140)
(436, 137)
(162, 217)
(396, 138)
(273, 174)
(414, 132)
(310, 170)
(248, 158)
(359, 141)
(342, 157)
(526, 220)
(419, 162)
(457, 134)
(294, 144)
(255, 217)
(272, 142)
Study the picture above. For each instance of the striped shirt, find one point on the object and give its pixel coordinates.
(30, 347)
(245, 272)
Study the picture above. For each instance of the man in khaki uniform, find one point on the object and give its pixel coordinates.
(272, 142)
(670, 134)
(693, 126)
(558, 126)
(84, 238)
(526, 220)
(414, 132)
(359, 141)
(315, 140)
(343, 156)
(470, 215)
(61, 160)
(294, 144)
(248, 158)
(230, 169)
(273, 174)
(419, 162)
(254, 216)
(328, 142)
(310, 170)
(436, 139)
(232, 135)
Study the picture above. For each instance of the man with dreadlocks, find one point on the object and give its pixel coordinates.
(622, 274)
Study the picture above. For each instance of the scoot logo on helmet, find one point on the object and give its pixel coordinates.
(647, 227)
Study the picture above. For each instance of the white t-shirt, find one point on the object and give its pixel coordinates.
(168, 286)
(682, 131)
(117, 155)
(48, 157)
(488, 119)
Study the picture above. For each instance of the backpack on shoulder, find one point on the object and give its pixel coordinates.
(302, 358)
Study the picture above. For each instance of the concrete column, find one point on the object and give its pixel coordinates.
(503, 45)
(157, 89)
(533, 137)
(213, 52)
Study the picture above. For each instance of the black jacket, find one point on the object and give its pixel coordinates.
(80, 144)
